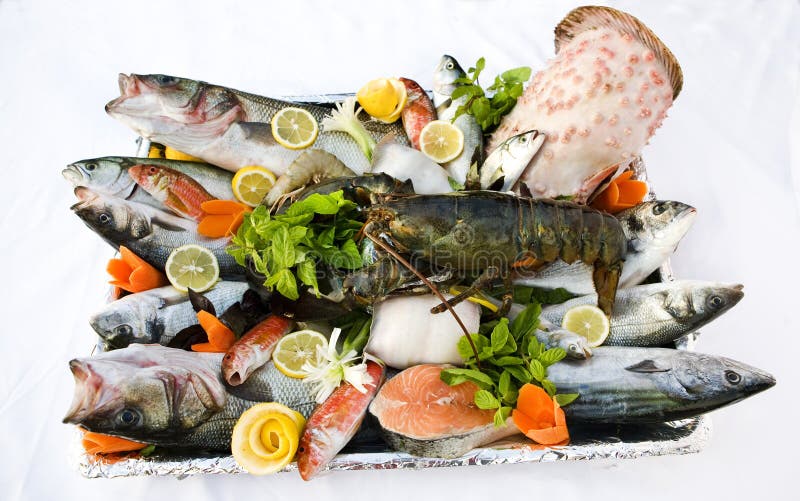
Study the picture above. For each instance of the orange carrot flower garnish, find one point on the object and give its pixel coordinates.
(222, 219)
(623, 193)
(100, 443)
(220, 337)
(540, 417)
(134, 274)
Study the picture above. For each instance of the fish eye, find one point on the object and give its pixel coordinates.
(523, 139)
(715, 302)
(104, 218)
(152, 170)
(732, 377)
(128, 417)
(123, 330)
(449, 65)
(659, 209)
(90, 166)
(166, 80)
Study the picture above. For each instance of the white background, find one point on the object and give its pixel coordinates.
(730, 147)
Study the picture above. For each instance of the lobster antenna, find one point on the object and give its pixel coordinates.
(432, 287)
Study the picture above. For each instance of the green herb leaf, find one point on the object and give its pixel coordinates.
(456, 376)
(537, 370)
(525, 295)
(552, 356)
(465, 350)
(504, 383)
(454, 185)
(282, 249)
(284, 282)
(500, 335)
(527, 321)
(307, 273)
(549, 387)
(535, 348)
(508, 361)
(485, 400)
(519, 373)
(564, 399)
(501, 416)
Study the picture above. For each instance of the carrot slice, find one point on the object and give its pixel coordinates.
(118, 269)
(540, 417)
(100, 443)
(206, 348)
(215, 225)
(623, 193)
(223, 207)
(234, 226)
(632, 192)
(133, 274)
(219, 335)
(535, 403)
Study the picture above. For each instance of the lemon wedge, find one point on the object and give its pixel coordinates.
(192, 267)
(441, 141)
(588, 321)
(251, 184)
(266, 437)
(297, 348)
(383, 99)
(294, 128)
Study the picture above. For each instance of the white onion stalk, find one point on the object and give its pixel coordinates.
(345, 119)
(334, 368)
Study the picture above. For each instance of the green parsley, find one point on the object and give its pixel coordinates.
(501, 99)
(510, 357)
(287, 247)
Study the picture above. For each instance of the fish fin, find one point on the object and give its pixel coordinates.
(594, 17)
(201, 303)
(256, 131)
(646, 366)
(388, 138)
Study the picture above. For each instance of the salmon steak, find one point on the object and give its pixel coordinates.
(420, 414)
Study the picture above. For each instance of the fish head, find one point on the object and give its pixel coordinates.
(712, 300)
(160, 105)
(576, 346)
(144, 392)
(116, 220)
(126, 321)
(153, 178)
(444, 77)
(718, 381)
(657, 224)
(103, 175)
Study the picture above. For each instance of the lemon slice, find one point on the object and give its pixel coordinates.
(589, 321)
(172, 154)
(266, 437)
(192, 267)
(478, 298)
(378, 97)
(251, 184)
(294, 128)
(441, 141)
(297, 348)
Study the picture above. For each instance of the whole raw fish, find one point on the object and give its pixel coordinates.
(657, 314)
(254, 349)
(653, 230)
(598, 101)
(177, 191)
(508, 160)
(224, 126)
(157, 315)
(649, 385)
(334, 422)
(418, 111)
(170, 397)
(109, 176)
(444, 77)
(150, 233)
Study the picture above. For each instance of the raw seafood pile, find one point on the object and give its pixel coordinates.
(467, 268)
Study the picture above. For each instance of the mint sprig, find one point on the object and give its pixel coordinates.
(510, 357)
(287, 247)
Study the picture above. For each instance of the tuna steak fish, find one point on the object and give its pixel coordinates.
(420, 414)
(599, 101)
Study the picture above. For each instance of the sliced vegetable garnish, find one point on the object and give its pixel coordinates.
(623, 193)
(134, 274)
(220, 337)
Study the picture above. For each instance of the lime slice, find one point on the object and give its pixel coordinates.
(297, 348)
(266, 437)
(192, 267)
(294, 128)
(589, 321)
(251, 184)
(441, 141)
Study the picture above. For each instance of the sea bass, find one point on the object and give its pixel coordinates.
(444, 83)
(422, 415)
(175, 190)
(150, 233)
(649, 385)
(109, 176)
(657, 314)
(224, 126)
(334, 422)
(508, 160)
(653, 230)
(598, 101)
(170, 397)
(155, 316)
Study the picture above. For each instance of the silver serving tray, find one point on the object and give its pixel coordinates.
(599, 442)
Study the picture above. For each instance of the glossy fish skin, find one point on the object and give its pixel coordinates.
(172, 398)
(109, 176)
(418, 111)
(653, 230)
(509, 159)
(150, 233)
(157, 315)
(652, 385)
(334, 422)
(177, 191)
(657, 314)
(254, 349)
(447, 71)
(224, 126)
